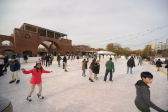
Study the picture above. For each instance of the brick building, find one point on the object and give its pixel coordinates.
(28, 40)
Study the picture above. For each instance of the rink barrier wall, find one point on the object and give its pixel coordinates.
(32, 60)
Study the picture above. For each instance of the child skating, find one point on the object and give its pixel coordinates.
(35, 79)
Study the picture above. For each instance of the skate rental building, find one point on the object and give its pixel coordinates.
(33, 40)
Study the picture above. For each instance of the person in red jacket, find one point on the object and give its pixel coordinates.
(35, 79)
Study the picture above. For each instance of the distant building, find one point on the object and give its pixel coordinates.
(83, 49)
(33, 40)
(159, 46)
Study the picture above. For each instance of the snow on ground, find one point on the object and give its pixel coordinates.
(70, 92)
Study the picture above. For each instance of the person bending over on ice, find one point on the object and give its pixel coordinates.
(142, 101)
(35, 79)
(96, 69)
(91, 68)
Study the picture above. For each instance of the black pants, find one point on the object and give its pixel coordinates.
(141, 109)
(1, 71)
(43, 61)
(106, 74)
(47, 63)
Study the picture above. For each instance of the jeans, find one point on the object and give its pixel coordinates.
(129, 69)
(59, 63)
(84, 72)
(47, 63)
(105, 77)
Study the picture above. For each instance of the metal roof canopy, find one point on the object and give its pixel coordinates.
(57, 33)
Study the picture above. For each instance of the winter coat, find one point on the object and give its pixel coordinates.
(47, 58)
(58, 58)
(25, 57)
(131, 63)
(91, 66)
(36, 75)
(14, 65)
(65, 59)
(84, 65)
(96, 68)
(159, 63)
(142, 99)
(110, 65)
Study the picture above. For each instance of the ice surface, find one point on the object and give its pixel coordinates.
(71, 92)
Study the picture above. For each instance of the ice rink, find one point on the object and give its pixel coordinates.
(71, 92)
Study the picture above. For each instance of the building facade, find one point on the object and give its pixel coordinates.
(28, 39)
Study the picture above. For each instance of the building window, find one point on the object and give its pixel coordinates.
(6, 43)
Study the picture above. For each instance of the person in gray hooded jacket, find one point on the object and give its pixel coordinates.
(142, 101)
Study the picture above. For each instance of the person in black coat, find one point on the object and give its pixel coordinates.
(96, 69)
(158, 64)
(130, 65)
(59, 59)
(47, 59)
(167, 69)
(6, 59)
(65, 64)
(25, 58)
(91, 69)
(1, 64)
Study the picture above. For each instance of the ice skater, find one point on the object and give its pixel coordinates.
(109, 68)
(96, 69)
(91, 70)
(1, 64)
(158, 64)
(130, 65)
(142, 100)
(140, 61)
(65, 64)
(35, 80)
(14, 68)
(167, 69)
(84, 67)
(59, 59)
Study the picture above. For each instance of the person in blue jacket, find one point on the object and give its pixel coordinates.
(14, 68)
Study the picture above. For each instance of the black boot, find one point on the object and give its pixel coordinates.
(29, 98)
(17, 82)
(40, 97)
(12, 81)
(91, 80)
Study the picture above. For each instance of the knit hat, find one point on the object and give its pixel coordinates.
(38, 62)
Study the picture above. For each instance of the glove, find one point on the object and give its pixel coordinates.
(22, 69)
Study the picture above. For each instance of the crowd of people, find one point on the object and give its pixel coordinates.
(94, 69)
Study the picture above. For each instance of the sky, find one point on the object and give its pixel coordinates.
(131, 23)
